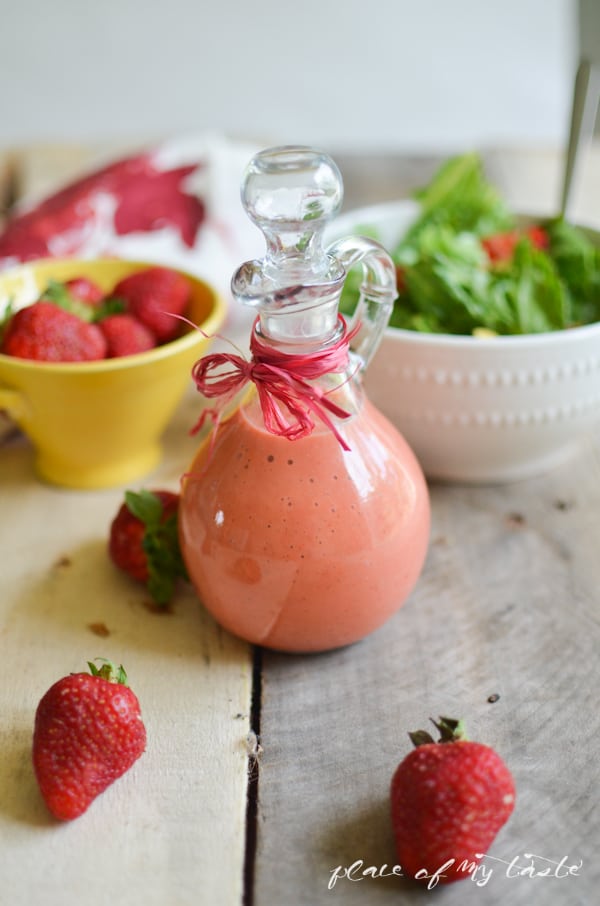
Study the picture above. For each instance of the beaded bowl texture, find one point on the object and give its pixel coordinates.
(482, 409)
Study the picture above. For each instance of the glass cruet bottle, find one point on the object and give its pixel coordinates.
(304, 516)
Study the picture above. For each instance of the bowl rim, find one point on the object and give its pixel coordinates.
(546, 338)
(193, 337)
(408, 209)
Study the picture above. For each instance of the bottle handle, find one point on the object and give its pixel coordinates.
(378, 290)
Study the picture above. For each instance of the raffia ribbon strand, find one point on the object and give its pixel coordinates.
(288, 399)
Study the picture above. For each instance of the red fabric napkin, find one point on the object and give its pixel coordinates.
(176, 204)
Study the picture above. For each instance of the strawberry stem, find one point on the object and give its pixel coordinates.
(109, 671)
(450, 730)
(59, 295)
(421, 738)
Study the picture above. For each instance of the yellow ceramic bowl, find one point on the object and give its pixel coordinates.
(99, 424)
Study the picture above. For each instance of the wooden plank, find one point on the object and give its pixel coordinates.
(507, 606)
(172, 830)
(174, 825)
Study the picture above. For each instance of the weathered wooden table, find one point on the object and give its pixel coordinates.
(265, 780)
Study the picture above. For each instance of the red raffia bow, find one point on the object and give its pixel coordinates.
(282, 382)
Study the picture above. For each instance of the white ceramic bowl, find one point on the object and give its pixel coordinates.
(481, 410)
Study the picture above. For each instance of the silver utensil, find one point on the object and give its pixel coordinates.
(586, 99)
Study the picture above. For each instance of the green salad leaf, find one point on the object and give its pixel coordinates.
(451, 280)
(460, 197)
(577, 260)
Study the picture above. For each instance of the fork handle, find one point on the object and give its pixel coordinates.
(586, 96)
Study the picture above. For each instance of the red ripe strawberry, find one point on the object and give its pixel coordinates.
(154, 295)
(144, 543)
(47, 333)
(83, 298)
(449, 799)
(125, 335)
(78, 296)
(85, 290)
(88, 732)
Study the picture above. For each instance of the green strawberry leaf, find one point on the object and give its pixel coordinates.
(165, 562)
(59, 295)
(421, 738)
(145, 506)
(160, 544)
(450, 730)
(109, 671)
(110, 306)
(9, 310)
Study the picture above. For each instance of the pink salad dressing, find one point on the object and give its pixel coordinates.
(299, 545)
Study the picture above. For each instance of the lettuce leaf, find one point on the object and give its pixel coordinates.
(449, 283)
(459, 197)
(451, 288)
(577, 261)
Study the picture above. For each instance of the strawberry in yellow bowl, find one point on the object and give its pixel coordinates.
(95, 357)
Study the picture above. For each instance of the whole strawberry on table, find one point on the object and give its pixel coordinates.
(143, 542)
(449, 800)
(76, 321)
(88, 732)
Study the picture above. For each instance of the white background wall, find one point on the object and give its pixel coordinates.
(386, 74)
